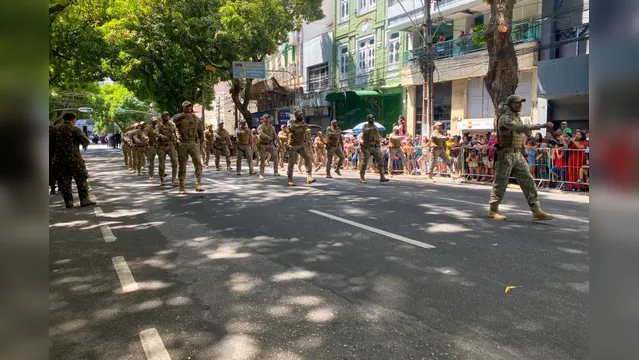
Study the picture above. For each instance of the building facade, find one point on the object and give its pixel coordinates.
(461, 101)
(563, 82)
(366, 64)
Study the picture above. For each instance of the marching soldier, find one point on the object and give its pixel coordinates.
(320, 149)
(165, 134)
(334, 146)
(140, 143)
(282, 140)
(69, 162)
(395, 148)
(370, 148)
(152, 151)
(266, 136)
(511, 132)
(127, 148)
(221, 146)
(298, 144)
(209, 140)
(438, 151)
(244, 147)
(189, 130)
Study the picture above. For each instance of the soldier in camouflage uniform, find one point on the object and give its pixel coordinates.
(298, 144)
(152, 151)
(69, 162)
(438, 151)
(282, 140)
(334, 146)
(370, 148)
(395, 148)
(266, 136)
(165, 134)
(244, 147)
(141, 144)
(209, 140)
(221, 146)
(511, 132)
(320, 151)
(127, 148)
(189, 131)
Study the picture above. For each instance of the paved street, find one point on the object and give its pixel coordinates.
(332, 270)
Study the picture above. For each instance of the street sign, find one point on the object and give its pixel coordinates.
(246, 69)
(85, 109)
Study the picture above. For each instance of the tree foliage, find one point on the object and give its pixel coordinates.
(501, 79)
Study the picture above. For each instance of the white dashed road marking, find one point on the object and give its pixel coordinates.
(124, 274)
(107, 234)
(372, 229)
(153, 346)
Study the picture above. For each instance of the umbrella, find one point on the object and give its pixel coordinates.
(358, 129)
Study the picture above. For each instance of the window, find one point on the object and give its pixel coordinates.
(365, 5)
(318, 77)
(392, 49)
(480, 106)
(343, 10)
(366, 55)
(343, 60)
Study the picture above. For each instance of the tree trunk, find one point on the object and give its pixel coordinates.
(501, 80)
(237, 86)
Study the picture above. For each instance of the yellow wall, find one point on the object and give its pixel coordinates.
(411, 108)
(458, 104)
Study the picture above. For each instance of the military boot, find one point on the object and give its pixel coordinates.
(338, 172)
(174, 182)
(310, 179)
(198, 185)
(151, 177)
(68, 204)
(362, 181)
(430, 179)
(291, 182)
(540, 215)
(494, 213)
(328, 173)
(260, 176)
(87, 202)
(383, 178)
(182, 191)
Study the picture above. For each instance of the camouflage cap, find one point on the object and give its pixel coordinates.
(166, 113)
(243, 121)
(186, 103)
(514, 99)
(438, 124)
(370, 116)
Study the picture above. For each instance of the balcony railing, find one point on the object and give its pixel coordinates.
(521, 33)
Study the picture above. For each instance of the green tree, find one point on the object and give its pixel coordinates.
(250, 30)
(76, 44)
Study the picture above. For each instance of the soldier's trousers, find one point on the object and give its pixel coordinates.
(125, 151)
(320, 157)
(78, 173)
(53, 175)
(281, 152)
(151, 152)
(331, 152)
(515, 164)
(139, 158)
(163, 151)
(219, 151)
(185, 150)
(208, 149)
(435, 155)
(266, 149)
(392, 151)
(246, 152)
(367, 153)
(305, 153)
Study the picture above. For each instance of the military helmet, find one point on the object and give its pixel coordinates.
(514, 99)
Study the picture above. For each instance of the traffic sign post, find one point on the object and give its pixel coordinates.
(250, 70)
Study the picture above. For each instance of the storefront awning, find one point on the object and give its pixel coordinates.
(341, 96)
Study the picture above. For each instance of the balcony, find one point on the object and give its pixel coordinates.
(399, 15)
(392, 72)
(521, 33)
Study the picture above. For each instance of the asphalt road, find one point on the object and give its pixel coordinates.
(332, 270)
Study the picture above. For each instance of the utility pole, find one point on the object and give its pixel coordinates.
(427, 68)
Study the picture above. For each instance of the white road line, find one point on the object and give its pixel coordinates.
(107, 234)
(230, 186)
(153, 346)
(377, 231)
(124, 274)
(98, 211)
(561, 217)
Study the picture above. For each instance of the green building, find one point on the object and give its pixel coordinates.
(366, 64)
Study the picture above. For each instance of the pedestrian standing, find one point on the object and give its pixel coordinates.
(512, 133)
